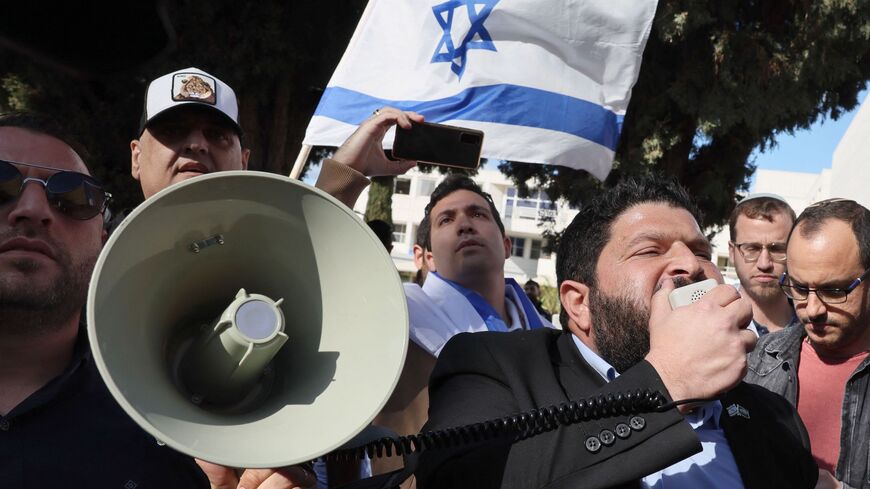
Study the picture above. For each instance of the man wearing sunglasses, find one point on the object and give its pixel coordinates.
(823, 368)
(59, 426)
(759, 227)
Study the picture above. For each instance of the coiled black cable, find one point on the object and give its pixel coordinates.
(519, 426)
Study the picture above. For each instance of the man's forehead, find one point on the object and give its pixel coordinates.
(21, 145)
(655, 219)
(460, 199)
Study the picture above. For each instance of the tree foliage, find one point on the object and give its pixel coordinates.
(720, 79)
(277, 56)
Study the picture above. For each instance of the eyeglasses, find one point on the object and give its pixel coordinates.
(73, 194)
(751, 251)
(828, 296)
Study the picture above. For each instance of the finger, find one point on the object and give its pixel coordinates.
(403, 166)
(252, 478)
(219, 477)
(295, 476)
(659, 303)
(721, 295)
(415, 116)
(749, 339)
(403, 120)
(742, 311)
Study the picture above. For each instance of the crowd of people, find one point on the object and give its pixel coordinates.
(761, 385)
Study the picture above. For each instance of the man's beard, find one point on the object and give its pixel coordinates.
(763, 293)
(621, 327)
(28, 310)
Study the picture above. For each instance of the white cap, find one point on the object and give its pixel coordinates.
(190, 86)
(762, 195)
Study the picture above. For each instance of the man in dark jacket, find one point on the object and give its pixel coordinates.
(618, 262)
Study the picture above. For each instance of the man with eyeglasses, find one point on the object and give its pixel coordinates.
(759, 227)
(823, 368)
(59, 426)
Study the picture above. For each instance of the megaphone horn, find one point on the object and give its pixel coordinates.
(247, 319)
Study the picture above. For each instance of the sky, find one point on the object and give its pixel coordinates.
(809, 150)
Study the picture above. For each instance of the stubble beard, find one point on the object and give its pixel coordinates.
(28, 310)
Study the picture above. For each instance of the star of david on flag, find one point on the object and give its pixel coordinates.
(548, 81)
(456, 56)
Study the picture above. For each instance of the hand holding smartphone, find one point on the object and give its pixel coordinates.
(439, 144)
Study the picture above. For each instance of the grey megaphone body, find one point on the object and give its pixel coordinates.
(247, 319)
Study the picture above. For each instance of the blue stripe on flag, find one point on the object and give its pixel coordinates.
(504, 104)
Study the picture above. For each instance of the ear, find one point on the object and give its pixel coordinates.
(135, 153)
(419, 256)
(507, 247)
(246, 154)
(429, 260)
(575, 302)
(731, 252)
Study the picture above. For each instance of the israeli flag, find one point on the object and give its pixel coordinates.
(548, 81)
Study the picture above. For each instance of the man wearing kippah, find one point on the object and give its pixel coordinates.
(759, 230)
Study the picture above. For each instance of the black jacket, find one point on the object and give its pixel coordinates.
(482, 376)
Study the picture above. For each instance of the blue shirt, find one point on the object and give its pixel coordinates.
(713, 467)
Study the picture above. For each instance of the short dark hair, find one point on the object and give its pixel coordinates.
(758, 208)
(422, 238)
(531, 282)
(452, 183)
(47, 125)
(582, 241)
(849, 211)
(383, 230)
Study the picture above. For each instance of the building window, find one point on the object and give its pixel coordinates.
(425, 187)
(535, 207)
(402, 186)
(399, 232)
(536, 249)
(518, 246)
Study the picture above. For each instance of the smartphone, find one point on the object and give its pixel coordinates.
(439, 144)
(688, 294)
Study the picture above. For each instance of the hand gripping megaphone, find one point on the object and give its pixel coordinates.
(247, 319)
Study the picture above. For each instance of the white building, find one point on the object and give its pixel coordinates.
(524, 219)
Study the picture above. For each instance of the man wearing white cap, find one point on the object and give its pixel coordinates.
(190, 127)
(759, 227)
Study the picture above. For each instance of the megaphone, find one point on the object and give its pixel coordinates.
(247, 319)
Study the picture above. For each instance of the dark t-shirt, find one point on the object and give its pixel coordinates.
(72, 433)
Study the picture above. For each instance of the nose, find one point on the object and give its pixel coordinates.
(195, 141)
(815, 308)
(31, 205)
(764, 263)
(683, 262)
(464, 224)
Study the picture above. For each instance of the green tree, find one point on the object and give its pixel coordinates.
(277, 55)
(720, 79)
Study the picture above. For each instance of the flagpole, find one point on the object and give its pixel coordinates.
(300, 161)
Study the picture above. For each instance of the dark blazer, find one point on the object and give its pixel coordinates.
(482, 376)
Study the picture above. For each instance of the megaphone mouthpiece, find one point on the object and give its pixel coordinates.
(225, 362)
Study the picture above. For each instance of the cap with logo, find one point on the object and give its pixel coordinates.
(190, 86)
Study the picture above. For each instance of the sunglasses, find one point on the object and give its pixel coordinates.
(73, 194)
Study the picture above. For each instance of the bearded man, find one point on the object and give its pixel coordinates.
(618, 261)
